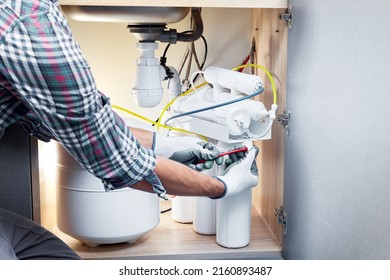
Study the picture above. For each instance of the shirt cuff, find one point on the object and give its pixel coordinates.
(156, 185)
(33, 126)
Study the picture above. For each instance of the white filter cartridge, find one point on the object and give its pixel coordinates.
(232, 80)
(234, 220)
(205, 211)
(204, 215)
(182, 209)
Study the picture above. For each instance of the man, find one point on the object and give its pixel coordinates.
(47, 88)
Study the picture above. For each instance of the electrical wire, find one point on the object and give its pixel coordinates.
(183, 60)
(189, 65)
(244, 62)
(165, 210)
(187, 53)
(191, 54)
(204, 58)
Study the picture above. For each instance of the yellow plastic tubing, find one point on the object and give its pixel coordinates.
(153, 122)
(269, 77)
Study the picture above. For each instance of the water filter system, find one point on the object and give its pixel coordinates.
(225, 114)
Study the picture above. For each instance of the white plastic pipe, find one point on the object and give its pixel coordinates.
(236, 81)
(174, 86)
(149, 73)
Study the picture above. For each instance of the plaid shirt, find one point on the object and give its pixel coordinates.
(47, 88)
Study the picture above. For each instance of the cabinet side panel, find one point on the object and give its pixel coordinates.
(337, 160)
(15, 172)
(270, 38)
(35, 187)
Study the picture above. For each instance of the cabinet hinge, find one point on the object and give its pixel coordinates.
(284, 120)
(281, 217)
(287, 17)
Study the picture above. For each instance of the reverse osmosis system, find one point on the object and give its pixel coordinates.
(225, 113)
(222, 111)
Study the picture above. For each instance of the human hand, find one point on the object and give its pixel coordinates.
(235, 154)
(240, 175)
(187, 150)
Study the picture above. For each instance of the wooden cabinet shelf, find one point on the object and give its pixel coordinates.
(173, 240)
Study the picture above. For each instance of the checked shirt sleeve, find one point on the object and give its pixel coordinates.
(45, 69)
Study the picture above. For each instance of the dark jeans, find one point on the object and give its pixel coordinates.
(21, 238)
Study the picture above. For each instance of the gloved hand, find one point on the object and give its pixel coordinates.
(186, 149)
(240, 175)
(235, 156)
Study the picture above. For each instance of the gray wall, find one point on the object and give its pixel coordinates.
(337, 177)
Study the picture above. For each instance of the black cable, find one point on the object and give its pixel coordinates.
(163, 59)
(165, 211)
(205, 56)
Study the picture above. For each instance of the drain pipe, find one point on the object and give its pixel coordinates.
(171, 36)
(157, 32)
(198, 28)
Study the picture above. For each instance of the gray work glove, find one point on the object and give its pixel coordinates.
(231, 158)
(240, 175)
(187, 150)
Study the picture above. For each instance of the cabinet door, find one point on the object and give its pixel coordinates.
(19, 173)
(337, 158)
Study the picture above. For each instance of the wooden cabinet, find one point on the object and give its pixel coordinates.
(173, 240)
(331, 172)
